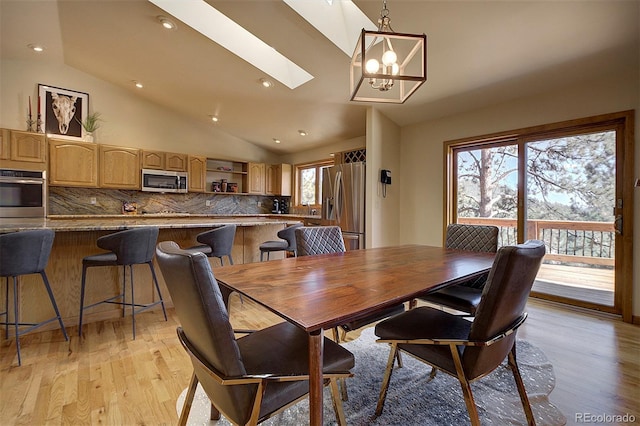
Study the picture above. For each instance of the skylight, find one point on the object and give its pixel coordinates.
(341, 21)
(217, 27)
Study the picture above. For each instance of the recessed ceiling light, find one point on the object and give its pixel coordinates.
(214, 118)
(138, 84)
(36, 47)
(266, 83)
(167, 23)
(276, 140)
(331, 154)
(303, 132)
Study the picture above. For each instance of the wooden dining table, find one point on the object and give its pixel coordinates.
(321, 292)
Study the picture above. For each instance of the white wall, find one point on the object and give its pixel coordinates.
(129, 120)
(383, 152)
(421, 199)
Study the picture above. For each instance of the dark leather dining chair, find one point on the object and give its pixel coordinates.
(286, 243)
(469, 350)
(251, 378)
(465, 297)
(25, 253)
(217, 242)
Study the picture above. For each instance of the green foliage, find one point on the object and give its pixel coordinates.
(570, 178)
(91, 123)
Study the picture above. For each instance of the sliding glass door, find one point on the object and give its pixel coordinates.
(562, 184)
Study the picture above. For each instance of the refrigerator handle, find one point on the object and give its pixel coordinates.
(337, 200)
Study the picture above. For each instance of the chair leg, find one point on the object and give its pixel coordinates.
(214, 413)
(387, 378)
(16, 316)
(261, 256)
(84, 278)
(520, 384)
(337, 401)
(133, 300)
(6, 307)
(186, 407)
(155, 281)
(466, 387)
(53, 302)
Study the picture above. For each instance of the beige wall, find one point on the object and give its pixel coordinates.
(129, 120)
(324, 152)
(421, 195)
(383, 152)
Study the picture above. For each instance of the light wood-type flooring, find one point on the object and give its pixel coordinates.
(105, 377)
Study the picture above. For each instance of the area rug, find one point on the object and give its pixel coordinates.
(413, 399)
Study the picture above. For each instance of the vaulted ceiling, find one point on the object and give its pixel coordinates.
(480, 53)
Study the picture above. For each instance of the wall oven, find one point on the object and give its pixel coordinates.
(164, 181)
(23, 193)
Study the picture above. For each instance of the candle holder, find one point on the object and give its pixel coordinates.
(30, 123)
(39, 125)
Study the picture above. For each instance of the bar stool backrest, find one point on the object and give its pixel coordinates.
(25, 252)
(219, 239)
(132, 246)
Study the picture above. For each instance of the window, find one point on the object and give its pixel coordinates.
(309, 183)
(563, 183)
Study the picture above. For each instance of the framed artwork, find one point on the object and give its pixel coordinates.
(62, 111)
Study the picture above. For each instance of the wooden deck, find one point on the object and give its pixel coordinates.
(573, 282)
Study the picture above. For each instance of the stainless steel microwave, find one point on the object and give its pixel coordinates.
(164, 181)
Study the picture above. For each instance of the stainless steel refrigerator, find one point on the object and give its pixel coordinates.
(343, 201)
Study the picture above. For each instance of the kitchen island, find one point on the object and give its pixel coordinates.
(76, 238)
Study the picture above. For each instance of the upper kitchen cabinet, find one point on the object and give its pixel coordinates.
(197, 174)
(278, 179)
(160, 160)
(73, 163)
(256, 178)
(119, 167)
(22, 147)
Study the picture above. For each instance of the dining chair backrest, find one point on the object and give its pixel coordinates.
(289, 235)
(312, 240)
(219, 239)
(482, 238)
(502, 305)
(25, 252)
(205, 321)
(131, 246)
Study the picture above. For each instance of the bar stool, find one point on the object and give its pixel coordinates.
(127, 248)
(287, 244)
(24, 253)
(217, 242)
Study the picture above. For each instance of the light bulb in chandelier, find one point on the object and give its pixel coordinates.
(372, 66)
(389, 58)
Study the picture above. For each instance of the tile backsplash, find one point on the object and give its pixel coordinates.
(92, 201)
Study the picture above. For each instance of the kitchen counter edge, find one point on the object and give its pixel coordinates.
(120, 222)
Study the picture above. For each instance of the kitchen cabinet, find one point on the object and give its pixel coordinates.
(23, 146)
(73, 163)
(278, 179)
(255, 178)
(197, 174)
(159, 160)
(119, 167)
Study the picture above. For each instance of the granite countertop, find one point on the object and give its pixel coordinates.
(119, 222)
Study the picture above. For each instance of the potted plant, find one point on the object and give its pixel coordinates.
(90, 124)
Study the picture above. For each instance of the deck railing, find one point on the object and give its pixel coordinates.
(567, 242)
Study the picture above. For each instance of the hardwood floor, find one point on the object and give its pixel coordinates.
(105, 377)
